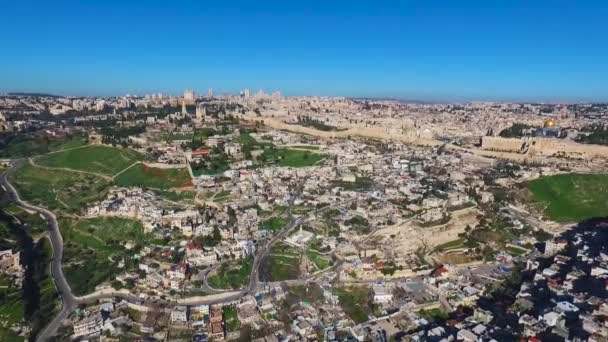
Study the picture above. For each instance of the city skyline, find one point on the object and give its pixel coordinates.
(430, 51)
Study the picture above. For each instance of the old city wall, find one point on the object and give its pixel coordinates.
(547, 146)
(406, 136)
(502, 144)
(543, 147)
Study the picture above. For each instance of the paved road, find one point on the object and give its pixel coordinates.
(65, 292)
(294, 222)
(70, 301)
(261, 253)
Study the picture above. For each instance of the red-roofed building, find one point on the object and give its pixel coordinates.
(216, 330)
(439, 272)
(201, 152)
(192, 246)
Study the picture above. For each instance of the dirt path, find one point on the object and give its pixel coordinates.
(32, 163)
(125, 169)
(68, 149)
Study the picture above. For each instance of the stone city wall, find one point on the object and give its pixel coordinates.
(548, 146)
(544, 146)
(503, 144)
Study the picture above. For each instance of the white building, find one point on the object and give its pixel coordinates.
(381, 294)
(179, 315)
(552, 247)
(300, 239)
(88, 326)
(189, 96)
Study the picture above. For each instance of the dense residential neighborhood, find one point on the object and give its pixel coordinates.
(272, 218)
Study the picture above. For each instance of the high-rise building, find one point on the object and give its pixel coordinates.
(100, 105)
(246, 93)
(210, 92)
(189, 96)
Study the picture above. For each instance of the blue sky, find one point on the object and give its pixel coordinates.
(428, 49)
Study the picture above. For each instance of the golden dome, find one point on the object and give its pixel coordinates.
(549, 123)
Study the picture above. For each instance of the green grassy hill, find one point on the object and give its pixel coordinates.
(571, 197)
(57, 189)
(101, 159)
(94, 247)
(149, 177)
(27, 146)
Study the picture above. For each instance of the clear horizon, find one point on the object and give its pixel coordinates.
(436, 51)
(404, 100)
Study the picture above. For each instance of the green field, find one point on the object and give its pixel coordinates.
(178, 136)
(247, 140)
(56, 189)
(26, 146)
(176, 196)
(35, 302)
(149, 177)
(450, 245)
(274, 224)
(203, 133)
(110, 233)
(94, 247)
(292, 158)
(319, 260)
(306, 147)
(93, 158)
(11, 311)
(283, 263)
(358, 224)
(88, 270)
(434, 315)
(231, 319)
(33, 223)
(11, 306)
(300, 157)
(216, 166)
(220, 196)
(355, 302)
(234, 275)
(571, 197)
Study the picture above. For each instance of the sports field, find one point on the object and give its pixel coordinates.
(571, 197)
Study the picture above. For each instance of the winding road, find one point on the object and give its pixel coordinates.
(70, 301)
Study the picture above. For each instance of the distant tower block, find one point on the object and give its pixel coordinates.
(210, 93)
(189, 96)
(184, 111)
